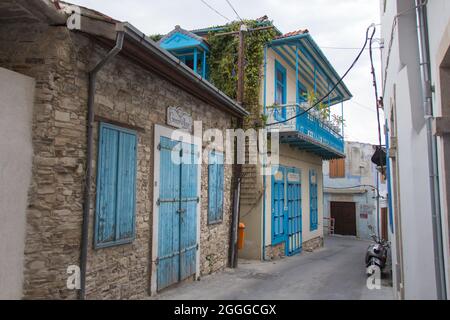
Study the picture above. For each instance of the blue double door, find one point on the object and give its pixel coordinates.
(178, 202)
(287, 209)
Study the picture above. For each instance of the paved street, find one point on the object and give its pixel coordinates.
(334, 272)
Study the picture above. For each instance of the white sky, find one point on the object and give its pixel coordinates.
(332, 23)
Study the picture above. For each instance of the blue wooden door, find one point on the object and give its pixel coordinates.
(188, 213)
(278, 205)
(294, 212)
(178, 200)
(314, 220)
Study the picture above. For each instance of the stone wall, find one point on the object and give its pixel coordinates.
(313, 244)
(59, 61)
(275, 252)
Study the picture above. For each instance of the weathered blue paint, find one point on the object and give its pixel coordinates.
(178, 201)
(294, 211)
(286, 208)
(306, 69)
(283, 84)
(188, 216)
(186, 49)
(116, 186)
(312, 52)
(313, 209)
(204, 65)
(178, 41)
(215, 186)
(195, 60)
(278, 205)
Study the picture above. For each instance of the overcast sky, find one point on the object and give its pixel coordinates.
(332, 23)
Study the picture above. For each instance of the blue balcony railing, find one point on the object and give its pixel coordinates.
(308, 129)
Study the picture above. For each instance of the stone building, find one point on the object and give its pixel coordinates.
(147, 222)
(283, 210)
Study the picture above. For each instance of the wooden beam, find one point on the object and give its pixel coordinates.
(441, 126)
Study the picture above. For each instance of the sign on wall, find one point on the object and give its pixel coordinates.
(366, 209)
(178, 118)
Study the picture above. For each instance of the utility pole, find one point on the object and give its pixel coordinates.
(243, 29)
(240, 95)
(241, 64)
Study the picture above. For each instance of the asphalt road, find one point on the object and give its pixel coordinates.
(334, 272)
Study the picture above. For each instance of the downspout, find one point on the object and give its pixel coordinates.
(424, 56)
(264, 163)
(388, 178)
(89, 153)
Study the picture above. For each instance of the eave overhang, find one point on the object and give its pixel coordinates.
(312, 64)
(304, 142)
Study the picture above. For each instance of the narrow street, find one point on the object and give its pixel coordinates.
(334, 272)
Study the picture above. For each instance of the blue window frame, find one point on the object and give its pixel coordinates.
(278, 204)
(116, 186)
(280, 90)
(215, 187)
(313, 209)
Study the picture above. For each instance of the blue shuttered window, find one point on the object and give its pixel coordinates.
(313, 213)
(116, 186)
(280, 90)
(215, 187)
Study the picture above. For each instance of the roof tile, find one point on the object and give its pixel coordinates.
(293, 33)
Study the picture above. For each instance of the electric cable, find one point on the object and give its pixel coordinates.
(237, 14)
(336, 84)
(216, 11)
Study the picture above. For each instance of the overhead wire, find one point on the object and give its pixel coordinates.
(213, 9)
(237, 14)
(372, 26)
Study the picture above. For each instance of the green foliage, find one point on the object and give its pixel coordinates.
(338, 120)
(223, 61)
(322, 108)
(156, 37)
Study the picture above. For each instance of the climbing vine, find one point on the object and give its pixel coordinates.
(223, 62)
(156, 37)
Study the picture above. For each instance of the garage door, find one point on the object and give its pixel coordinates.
(344, 214)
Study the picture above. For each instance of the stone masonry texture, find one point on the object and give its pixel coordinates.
(59, 60)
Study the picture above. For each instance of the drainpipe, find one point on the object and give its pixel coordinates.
(87, 189)
(424, 56)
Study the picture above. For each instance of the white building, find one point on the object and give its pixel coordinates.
(350, 194)
(416, 37)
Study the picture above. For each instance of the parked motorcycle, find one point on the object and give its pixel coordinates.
(377, 254)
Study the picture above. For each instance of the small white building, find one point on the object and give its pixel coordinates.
(350, 194)
(416, 77)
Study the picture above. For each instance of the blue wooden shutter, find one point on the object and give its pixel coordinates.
(212, 182)
(313, 200)
(106, 185)
(215, 186)
(116, 186)
(219, 193)
(126, 186)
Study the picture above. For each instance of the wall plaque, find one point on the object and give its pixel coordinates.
(178, 118)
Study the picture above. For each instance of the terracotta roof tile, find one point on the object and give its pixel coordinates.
(293, 33)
